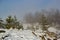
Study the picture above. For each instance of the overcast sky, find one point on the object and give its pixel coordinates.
(21, 7)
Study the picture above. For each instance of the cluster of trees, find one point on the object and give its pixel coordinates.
(44, 18)
(10, 22)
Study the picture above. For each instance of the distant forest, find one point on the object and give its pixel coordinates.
(44, 17)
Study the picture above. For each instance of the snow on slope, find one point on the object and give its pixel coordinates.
(20, 35)
(52, 29)
(15, 34)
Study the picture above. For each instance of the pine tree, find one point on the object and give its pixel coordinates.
(1, 23)
(9, 22)
(12, 22)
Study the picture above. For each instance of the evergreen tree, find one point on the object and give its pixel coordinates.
(12, 22)
(1, 23)
(17, 24)
(9, 22)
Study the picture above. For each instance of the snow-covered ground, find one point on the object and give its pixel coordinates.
(14, 34)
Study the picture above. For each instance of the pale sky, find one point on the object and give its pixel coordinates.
(21, 7)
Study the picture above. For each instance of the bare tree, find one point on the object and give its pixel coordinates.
(44, 17)
(29, 19)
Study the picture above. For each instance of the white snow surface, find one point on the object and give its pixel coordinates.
(15, 34)
(52, 29)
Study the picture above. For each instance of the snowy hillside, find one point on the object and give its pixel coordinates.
(14, 34)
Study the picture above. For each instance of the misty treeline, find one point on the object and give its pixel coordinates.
(44, 17)
(10, 22)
